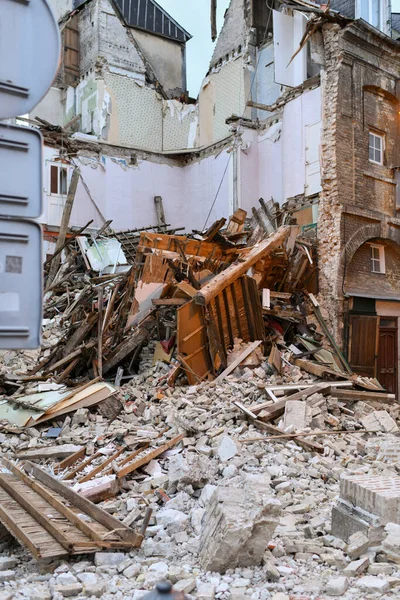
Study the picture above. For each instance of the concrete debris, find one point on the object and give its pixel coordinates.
(297, 416)
(379, 420)
(267, 470)
(236, 528)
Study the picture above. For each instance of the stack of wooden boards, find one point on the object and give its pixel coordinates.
(52, 520)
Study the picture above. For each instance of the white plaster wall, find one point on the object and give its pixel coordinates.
(202, 180)
(270, 164)
(51, 108)
(273, 161)
(126, 194)
(304, 110)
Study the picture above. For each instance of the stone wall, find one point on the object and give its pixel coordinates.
(330, 208)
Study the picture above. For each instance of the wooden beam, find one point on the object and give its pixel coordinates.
(169, 301)
(80, 467)
(266, 107)
(315, 369)
(356, 395)
(49, 525)
(171, 243)
(70, 460)
(246, 352)
(131, 341)
(129, 468)
(61, 507)
(100, 468)
(275, 431)
(236, 270)
(127, 534)
(213, 19)
(64, 226)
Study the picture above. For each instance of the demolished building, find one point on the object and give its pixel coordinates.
(300, 104)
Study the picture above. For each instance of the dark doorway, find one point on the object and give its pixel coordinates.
(363, 344)
(387, 354)
(373, 349)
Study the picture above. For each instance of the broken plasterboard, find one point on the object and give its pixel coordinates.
(104, 255)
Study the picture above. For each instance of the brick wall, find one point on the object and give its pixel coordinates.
(357, 201)
(360, 279)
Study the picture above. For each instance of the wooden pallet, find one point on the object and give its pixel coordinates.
(45, 515)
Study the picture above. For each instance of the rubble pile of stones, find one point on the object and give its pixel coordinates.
(221, 450)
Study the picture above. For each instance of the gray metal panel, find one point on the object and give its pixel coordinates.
(21, 284)
(150, 16)
(30, 53)
(20, 172)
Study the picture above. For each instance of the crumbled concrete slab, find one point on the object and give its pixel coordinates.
(358, 544)
(372, 585)
(227, 448)
(336, 586)
(379, 420)
(356, 567)
(297, 416)
(236, 529)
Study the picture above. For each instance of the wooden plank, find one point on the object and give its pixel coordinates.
(80, 467)
(130, 342)
(100, 306)
(192, 343)
(70, 357)
(355, 396)
(236, 270)
(52, 526)
(169, 301)
(62, 508)
(70, 460)
(307, 445)
(101, 467)
(27, 531)
(129, 468)
(328, 334)
(246, 410)
(315, 368)
(190, 247)
(127, 534)
(237, 362)
(50, 452)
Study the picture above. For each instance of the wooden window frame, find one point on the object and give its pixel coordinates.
(372, 147)
(380, 259)
(60, 168)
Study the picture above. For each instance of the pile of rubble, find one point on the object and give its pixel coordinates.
(232, 451)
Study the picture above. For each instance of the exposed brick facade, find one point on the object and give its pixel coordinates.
(358, 198)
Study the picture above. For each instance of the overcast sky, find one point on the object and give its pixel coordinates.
(194, 16)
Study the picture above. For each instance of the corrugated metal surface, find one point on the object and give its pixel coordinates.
(148, 15)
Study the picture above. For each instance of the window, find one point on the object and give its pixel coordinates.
(377, 259)
(376, 148)
(58, 180)
(371, 11)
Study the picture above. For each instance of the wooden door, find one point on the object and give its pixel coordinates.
(363, 344)
(387, 355)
